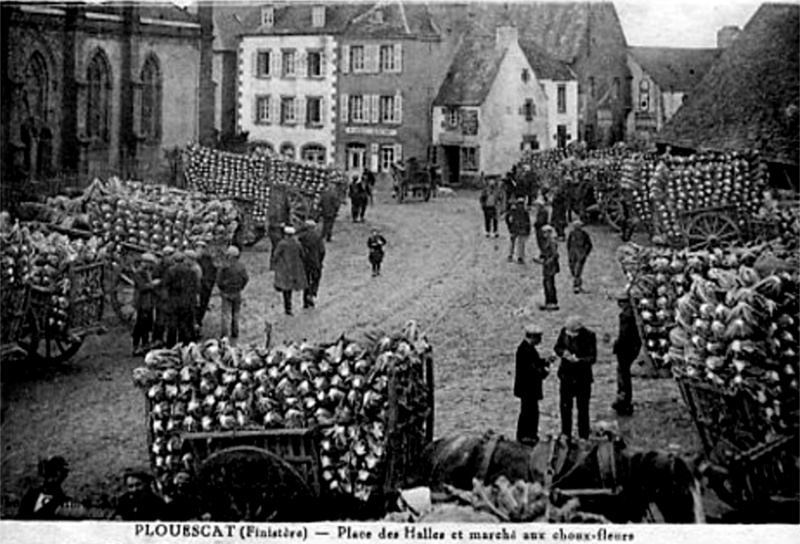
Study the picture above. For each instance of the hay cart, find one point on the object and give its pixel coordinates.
(276, 474)
(750, 468)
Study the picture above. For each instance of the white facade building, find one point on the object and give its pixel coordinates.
(287, 94)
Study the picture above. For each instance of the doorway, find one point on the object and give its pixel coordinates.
(452, 164)
(354, 159)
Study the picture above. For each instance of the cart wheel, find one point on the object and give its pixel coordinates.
(44, 350)
(710, 228)
(249, 484)
(122, 291)
(612, 211)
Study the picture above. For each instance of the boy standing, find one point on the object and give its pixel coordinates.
(375, 244)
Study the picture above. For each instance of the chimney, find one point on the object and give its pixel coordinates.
(506, 35)
(726, 35)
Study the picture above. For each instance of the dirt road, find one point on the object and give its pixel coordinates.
(439, 269)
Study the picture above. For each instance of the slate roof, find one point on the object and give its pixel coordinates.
(294, 18)
(675, 69)
(543, 65)
(403, 19)
(749, 98)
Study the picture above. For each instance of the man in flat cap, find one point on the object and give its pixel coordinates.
(579, 245)
(145, 284)
(290, 274)
(183, 291)
(550, 268)
(162, 317)
(519, 228)
(577, 348)
(626, 348)
(531, 370)
(232, 278)
(313, 257)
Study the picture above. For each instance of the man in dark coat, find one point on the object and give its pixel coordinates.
(542, 218)
(208, 279)
(550, 268)
(144, 296)
(358, 200)
(278, 215)
(489, 200)
(368, 179)
(531, 369)
(577, 348)
(626, 348)
(579, 245)
(329, 209)
(183, 292)
(290, 275)
(313, 257)
(162, 317)
(519, 229)
(231, 279)
(558, 216)
(43, 502)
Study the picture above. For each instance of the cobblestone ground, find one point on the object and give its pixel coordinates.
(439, 270)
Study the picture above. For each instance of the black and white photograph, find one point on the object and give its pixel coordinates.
(360, 271)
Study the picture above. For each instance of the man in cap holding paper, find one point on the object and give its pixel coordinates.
(531, 370)
(290, 274)
(577, 348)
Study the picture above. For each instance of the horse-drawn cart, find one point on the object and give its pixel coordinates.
(412, 182)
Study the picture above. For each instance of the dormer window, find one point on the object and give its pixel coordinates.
(377, 16)
(267, 16)
(318, 16)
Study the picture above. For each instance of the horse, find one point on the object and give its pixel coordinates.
(623, 484)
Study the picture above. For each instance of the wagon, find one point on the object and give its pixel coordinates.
(750, 468)
(276, 474)
(414, 182)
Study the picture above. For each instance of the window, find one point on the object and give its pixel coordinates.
(355, 155)
(264, 64)
(386, 109)
(288, 110)
(314, 63)
(386, 57)
(526, 75)
(98, 112)
(287, 150)
(263, 105)
(262, 148)
(529, 109)
(644, 95)
(313, 153)
(313, 110)
(616, 88)
(387, 158)
(469, 159)
(356, 108)
(562, 98)
(268, 16)
(318, 16)
(288, 62)
(36, 86)
(591, 87)
(452, 117)
(151, 99)
(357, 58)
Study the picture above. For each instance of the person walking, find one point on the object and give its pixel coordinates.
(209, 279)
(313, 257)
(329, 208)
(232, 278)
(577, 348)
(183, 291)
(542, 219)
(558, 215)
(579, 245)
(550, 268)
(519, 228)
(626, 349)
(368, 179)
(489, 201)
(531, 370)
(290, 275)
(375, 243)
(358, 200)
(144, 301)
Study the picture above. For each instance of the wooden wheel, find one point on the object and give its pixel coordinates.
(45, 345)
(249, 484)
(710, 228)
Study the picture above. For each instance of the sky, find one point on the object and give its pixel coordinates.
(677, 23)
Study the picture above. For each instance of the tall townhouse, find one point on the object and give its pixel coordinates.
(390, 67)
(288, 78)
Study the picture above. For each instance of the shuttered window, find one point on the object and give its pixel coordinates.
(263, 63)
(288, 110)
(263, 109)
(314, 111)
(314, 64)
(358, 112)
(288, 62)
(357, 59)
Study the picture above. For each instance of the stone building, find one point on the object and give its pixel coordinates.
(94, 90)
(501, 96)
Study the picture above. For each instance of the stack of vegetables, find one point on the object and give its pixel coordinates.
(155, 216)
(738, 327)
(33, 256)
(659, 277)
(341, 388)
(251, 177)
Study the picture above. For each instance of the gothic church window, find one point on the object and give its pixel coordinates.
(98, 112)
(151, 99)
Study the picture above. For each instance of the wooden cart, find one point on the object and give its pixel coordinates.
(15, 308)
(413, 182)
(749, 468)
(276, 474)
